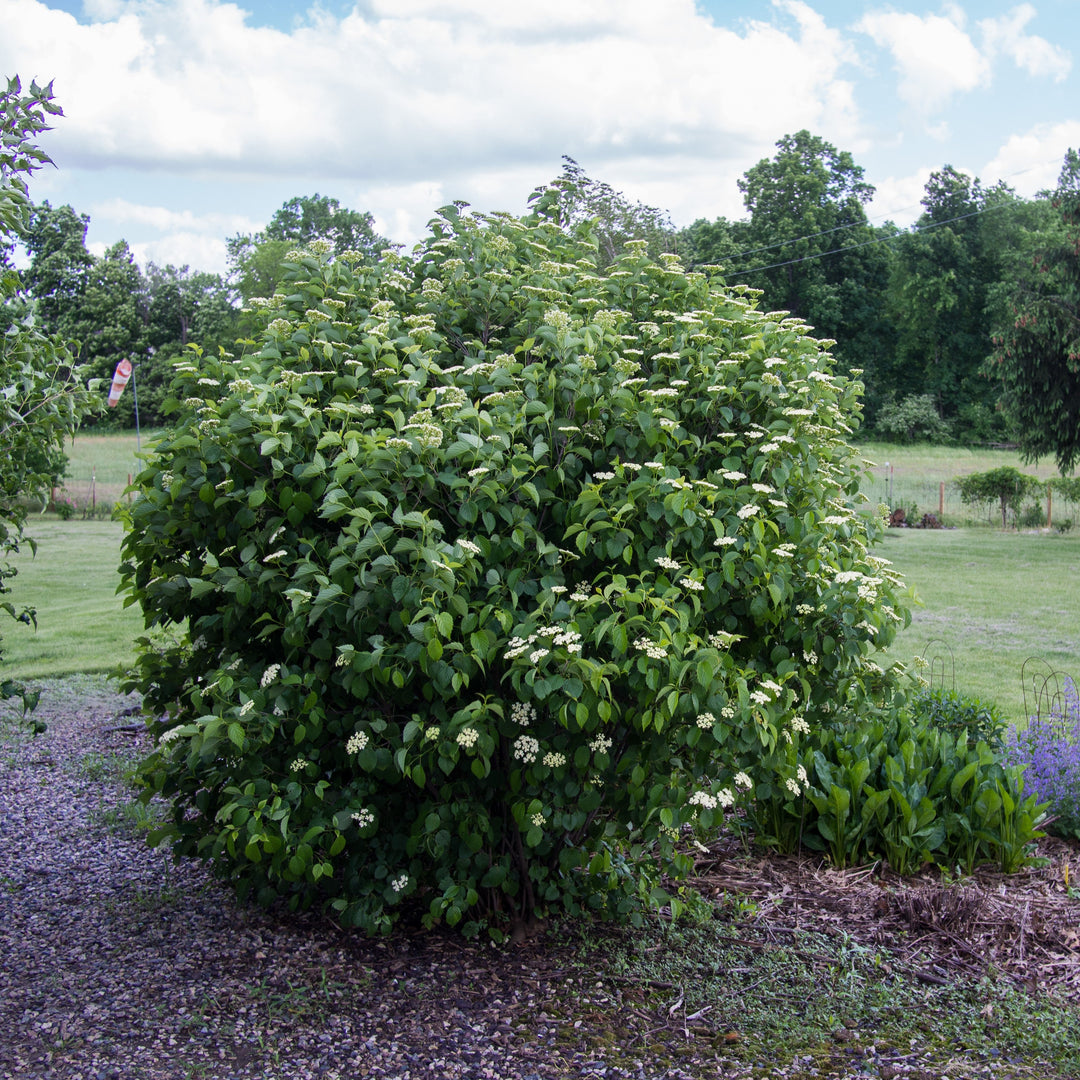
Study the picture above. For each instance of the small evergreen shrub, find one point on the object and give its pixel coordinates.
(956, 713)
(492, 575)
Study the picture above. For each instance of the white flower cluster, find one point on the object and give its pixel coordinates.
(600, 745)
(748, 511)
(743, 781)
(400, 884)
(247, 707)
(721, 639)
(357, 742)
(299, 764)
(169, 736)
(693, 585)
(703, 798)
(665, 563)
(467, 737)
(554, 760)
(799, 724)
(523, 713)
(469, 546)
(269, 675)
(725, 541)
(810, 656)
(526, 749)
(705, 720)
(650, 649)
(363, 818)
(537, 819)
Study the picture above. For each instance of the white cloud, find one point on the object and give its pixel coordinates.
(123, 212)
(933, 54)
(1031, 162)
(1033, 54)
(380, 96)
(412, 103)
(899, 198)
(197, 250)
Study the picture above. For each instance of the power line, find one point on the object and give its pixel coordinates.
(864, 243)
(877, 217)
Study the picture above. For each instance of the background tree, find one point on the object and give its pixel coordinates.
(611, 219)
(1037, 353)
(43, 396)
(943, 275)
(60, 265)
(255, 259)
(1008, 487)
(812, 251)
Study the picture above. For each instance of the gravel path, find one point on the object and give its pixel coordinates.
(116, 963)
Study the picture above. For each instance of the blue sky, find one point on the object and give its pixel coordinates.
(190, 120)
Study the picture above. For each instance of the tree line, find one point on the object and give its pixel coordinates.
(927, 314)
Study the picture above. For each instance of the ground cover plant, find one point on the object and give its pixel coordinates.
(903, 790)
(499, 572)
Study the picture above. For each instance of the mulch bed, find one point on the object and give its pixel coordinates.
(1025, 925)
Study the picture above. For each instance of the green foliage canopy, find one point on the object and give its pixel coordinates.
(1037, 353)
(499, 573)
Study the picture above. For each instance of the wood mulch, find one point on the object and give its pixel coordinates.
(1025, 925)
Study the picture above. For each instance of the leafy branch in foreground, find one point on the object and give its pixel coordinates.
(41, 396)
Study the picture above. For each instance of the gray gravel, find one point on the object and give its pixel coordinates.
(116, 962)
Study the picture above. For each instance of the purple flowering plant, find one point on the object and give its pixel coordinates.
(1049, 749)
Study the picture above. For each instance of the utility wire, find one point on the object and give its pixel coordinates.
(864, 243)
(877, 217)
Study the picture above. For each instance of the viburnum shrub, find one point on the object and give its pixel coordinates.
(492, 575)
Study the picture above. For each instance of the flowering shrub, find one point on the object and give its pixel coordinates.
(1049, 750)
(492, 574)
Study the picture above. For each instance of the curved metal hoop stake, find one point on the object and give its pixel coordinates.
(1053, 694)
(942, 664)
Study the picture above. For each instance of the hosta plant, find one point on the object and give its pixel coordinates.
(490, 577)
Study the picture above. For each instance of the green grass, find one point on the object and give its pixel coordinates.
(82, 625)
(994, 598)
(100, 466)
(911, 476)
